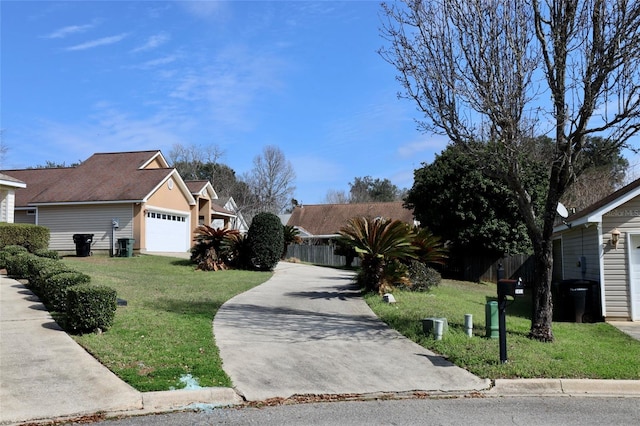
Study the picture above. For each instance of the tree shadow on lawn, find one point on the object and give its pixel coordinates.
(519, 307)
(206, 308)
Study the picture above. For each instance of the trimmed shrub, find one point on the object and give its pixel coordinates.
(55, 288)
(90, 308)
(422, 277)
(17, 266)
(266, 240)
(13, 249)
(50, 254)
(31, 237)
(40, 270)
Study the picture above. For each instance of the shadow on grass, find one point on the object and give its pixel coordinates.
(518, 306)
(204, 308)
(182, 262)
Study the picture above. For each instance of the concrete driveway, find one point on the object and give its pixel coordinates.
(308, 331)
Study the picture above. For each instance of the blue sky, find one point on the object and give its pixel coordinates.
(87, 76)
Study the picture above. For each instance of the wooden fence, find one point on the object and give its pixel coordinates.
(484, 268)
(470, 268)
(318, 254)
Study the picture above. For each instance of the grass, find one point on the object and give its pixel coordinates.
(165, 331)
(596, 351)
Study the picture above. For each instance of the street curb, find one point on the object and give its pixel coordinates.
(182, 398)
(565, 387)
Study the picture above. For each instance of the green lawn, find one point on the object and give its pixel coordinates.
(165, 331)
(597, 351)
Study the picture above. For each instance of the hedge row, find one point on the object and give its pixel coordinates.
(62, 289)
(31, 237)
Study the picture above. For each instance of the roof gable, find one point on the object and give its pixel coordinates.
(594, 212)
(12, 182)
(327, 219)
(201, 187)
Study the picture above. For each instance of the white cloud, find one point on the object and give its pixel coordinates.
(98, 42)
(433, 144)
(71, 29)
(153, 42)
(156, 62)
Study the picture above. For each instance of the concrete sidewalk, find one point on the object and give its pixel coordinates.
(308, 331)
(45, 375)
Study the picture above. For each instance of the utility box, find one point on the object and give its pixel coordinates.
(125, 247)
(83, 244)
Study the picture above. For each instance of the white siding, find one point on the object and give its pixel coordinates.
(616, 260)
(64, 221)
(7, 199)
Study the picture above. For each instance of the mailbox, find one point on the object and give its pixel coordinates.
(510, 288)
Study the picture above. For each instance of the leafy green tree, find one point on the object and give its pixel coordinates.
(366, 189)
(266, 241)
(455, 199)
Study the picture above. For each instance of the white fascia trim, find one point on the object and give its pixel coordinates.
(223, 214)
(148, 208)
(163, 162)
(601, 245)
(183, 187)
(12, 183)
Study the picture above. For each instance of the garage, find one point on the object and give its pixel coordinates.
(167, 232)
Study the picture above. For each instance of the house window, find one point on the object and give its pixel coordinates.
(31, 212)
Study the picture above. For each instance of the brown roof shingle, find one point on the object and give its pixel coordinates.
(327, 219)
(101, 178)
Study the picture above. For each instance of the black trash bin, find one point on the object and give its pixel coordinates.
(577, 300)
(83, 244)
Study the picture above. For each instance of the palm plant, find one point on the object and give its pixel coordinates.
(210, 251)
(378, 241)
(291, 236)
(429, 248)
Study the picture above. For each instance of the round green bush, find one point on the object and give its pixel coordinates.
(422, 277)
(266, 241)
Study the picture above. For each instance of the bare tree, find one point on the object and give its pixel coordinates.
(195, 162)
(271, 180)
(502, 71)
(336, 197)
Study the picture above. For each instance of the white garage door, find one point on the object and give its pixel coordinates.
(167, 232)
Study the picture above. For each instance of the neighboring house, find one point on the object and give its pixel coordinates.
(203, 193)
(114, 195)
(8, 186)
(602, 243)
(323, 221)
(227, 214)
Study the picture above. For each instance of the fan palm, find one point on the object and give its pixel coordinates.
(378, 241)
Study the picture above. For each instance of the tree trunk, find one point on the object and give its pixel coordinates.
(542, 302)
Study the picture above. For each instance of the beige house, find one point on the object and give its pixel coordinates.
(602, 244)
(113, 196)
(8, 186)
